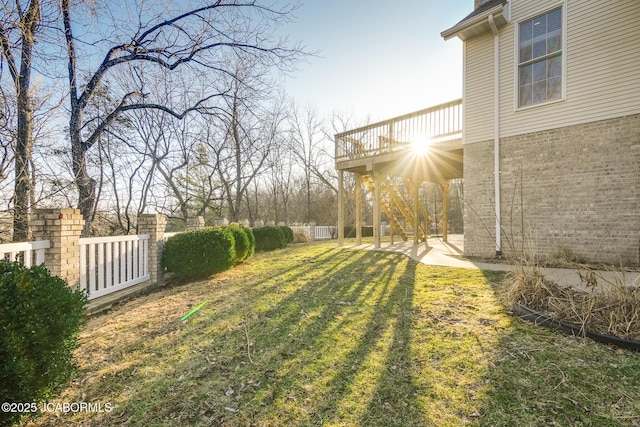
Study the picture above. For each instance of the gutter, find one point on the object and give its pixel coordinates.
(496, 131)
(459, 30)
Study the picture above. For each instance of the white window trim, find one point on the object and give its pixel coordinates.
(516, 56)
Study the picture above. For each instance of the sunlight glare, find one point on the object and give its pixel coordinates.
(421, 145)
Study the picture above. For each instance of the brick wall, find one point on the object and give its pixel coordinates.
(577, 187)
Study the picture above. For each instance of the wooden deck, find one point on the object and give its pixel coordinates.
(391, 142)
(393, 158)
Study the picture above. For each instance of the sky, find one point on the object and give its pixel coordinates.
(377, 59)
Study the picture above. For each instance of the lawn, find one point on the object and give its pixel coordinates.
(316, 335)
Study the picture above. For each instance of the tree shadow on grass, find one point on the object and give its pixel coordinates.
(354, 338)
(170, 379)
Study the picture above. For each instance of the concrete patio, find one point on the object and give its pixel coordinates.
(451, 254)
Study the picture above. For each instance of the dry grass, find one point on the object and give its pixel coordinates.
(610, 306)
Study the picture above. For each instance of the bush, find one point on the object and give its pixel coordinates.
(242, 242)
(252, 240)
(288, 233)
(40, 318)
(300, 237)
(198, 254)
(269, 238)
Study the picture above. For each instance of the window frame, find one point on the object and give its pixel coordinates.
(563, 54)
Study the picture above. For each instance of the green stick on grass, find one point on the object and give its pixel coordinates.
(186, 316)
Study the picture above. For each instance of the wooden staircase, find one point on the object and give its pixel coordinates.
(394, 203)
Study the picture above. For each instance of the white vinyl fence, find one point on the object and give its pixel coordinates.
(109, 264)
(322, 232)
(27, 253)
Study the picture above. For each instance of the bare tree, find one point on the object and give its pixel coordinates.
(246, 133)
(7, 141)
(191, 39)
(309, 146)
(19, 26)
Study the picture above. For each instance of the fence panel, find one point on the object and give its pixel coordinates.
(324, 232)
(27, 253)
(109, 264)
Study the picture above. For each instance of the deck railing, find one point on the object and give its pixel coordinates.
(440, 123)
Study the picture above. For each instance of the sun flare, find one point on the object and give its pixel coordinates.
(421, 146)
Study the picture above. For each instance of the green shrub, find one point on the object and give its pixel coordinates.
(288, 233)
(242, 242)
(252, 240)
(269, 238)
(40, 318)
(198, 254)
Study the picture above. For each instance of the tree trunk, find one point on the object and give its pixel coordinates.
(24, 140)
(24, 144)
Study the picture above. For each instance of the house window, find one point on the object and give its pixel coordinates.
(540, 59)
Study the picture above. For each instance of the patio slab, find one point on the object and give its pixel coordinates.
(450, 254)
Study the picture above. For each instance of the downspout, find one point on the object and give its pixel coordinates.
(496, 131)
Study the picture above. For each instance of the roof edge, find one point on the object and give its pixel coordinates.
(463, 26)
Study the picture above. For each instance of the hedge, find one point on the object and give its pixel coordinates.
(269, 238)
(252, 240)
(242, 242)
(40, 318)
(198, 254)
(288, 233)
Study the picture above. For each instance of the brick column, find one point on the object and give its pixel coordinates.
(154, 225)
(195, 223)
(62, 227)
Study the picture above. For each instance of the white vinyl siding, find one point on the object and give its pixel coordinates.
(478, 88)
(602, 74)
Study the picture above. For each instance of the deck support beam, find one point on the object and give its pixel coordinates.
(340, 207)
(416, 218)
(376, 210)
(358, 209)
(445, 209)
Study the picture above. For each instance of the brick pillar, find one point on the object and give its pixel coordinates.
(154, 225)
(62, 227)
(195, 223)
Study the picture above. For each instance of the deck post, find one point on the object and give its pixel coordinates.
(376, 211)
(445, 209)
(416, 218)
(391, 230)
(340, 207)
(358, 209)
